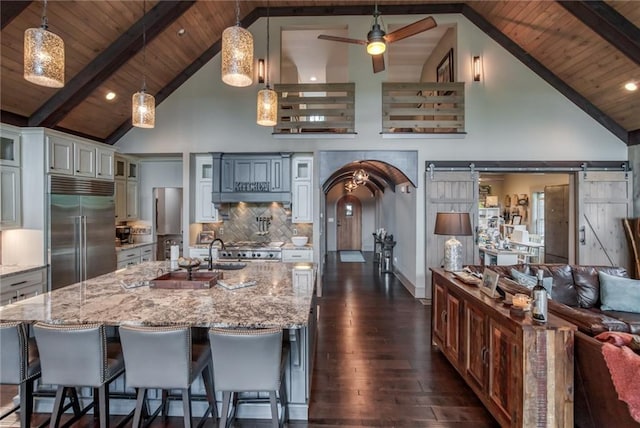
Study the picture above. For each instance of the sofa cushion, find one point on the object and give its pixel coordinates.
(619, 294)
(530, 281)
(587, 283)
(630, 318)
(563, 290)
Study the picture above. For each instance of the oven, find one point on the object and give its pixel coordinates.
(252, 251)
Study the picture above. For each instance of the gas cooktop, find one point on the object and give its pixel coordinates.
(252, 250)
(253, 244)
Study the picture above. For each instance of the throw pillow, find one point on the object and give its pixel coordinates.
(530, 281)
(619, 294)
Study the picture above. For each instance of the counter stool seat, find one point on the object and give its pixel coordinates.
(19, 365)
(251, 360)
(78, 355)
(166, 358)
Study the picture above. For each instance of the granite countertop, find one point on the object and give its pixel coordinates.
(131, 246)
(273, 302)
(290, 246)
(7, 271)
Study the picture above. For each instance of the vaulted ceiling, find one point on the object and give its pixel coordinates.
(587, 50)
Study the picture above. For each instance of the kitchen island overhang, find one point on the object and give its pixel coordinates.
(281, 297)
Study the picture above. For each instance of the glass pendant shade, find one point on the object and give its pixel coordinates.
(143, 113)
(360, 176)
(43, 58)
(267, 107)
(237, 56)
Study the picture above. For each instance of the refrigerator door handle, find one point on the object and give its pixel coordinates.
(78, 246)
(84, 248)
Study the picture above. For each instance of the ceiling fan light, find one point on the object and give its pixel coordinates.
(143, 112)
(376, 47)
(237, 56)
(267, 107)
(43, 58)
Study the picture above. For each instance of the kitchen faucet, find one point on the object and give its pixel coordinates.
(210, 264)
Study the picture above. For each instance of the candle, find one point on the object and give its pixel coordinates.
(521, 300)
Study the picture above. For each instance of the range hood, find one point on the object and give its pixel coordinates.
(251, 177)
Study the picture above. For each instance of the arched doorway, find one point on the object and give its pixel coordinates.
(349, 223)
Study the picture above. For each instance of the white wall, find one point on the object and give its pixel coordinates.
(512, 114)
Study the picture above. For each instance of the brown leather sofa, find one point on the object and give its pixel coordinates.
(575, 297)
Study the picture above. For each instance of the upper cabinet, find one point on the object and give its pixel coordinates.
(71, 155)
(205, 211)
(125, 171)
(302, 189)
(10, 179)
(126, 167)
(9, 147)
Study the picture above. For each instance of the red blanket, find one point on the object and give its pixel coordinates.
(624, 366)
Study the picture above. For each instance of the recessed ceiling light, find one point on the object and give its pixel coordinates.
(631, 86)
(313, 78)
(110, 96)
(182, 32)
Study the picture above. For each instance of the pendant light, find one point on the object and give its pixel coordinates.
(267, 98)
(360, 176)
(43, 55)
(143, 111)
(237, 54)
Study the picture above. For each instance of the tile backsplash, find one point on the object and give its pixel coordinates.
(243, 223)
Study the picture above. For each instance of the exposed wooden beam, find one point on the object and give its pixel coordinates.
(107, 62)
(535, 66)
(634, 137)
(259, 12)
(609, 24)
(10, 9)
(13, 118)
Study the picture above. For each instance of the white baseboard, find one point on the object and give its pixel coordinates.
(417, 292)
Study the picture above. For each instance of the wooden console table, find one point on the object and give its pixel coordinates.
(522, 372)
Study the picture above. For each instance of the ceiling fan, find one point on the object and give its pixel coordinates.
(377, 38)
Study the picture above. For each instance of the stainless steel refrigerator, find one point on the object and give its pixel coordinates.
(81, 237)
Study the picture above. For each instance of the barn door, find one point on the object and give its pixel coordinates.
(603, 200)
(449, 191)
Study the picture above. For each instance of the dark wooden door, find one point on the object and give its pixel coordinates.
(556, 224)
(349, 226)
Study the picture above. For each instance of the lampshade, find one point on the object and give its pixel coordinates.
(143, 112)
(453, 224)
(267, 107)
(360, 176)
(350, 185)
(43, 57)
(237, 56)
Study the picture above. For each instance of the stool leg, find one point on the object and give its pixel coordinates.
(96, 409)
(274, 409)
(103, 405)
(165, 404)
(210, 390)
(137, 415)
(283, 402)
(226, 400)
(57, 407)
(75, 401)
(26, 403)
(186, 405)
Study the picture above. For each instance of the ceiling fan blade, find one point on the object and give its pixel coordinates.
(411, 30)
(342, 39)
(378, 63)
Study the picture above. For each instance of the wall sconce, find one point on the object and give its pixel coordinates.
(477, 68)
(261, 69)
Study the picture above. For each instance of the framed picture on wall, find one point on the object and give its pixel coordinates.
(516, 219)
(444, 71)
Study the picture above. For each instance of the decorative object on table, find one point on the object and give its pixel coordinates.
(43, 55)
(190, 280)
(299, 241)
(235, 285)
(206, 237)
(489, 283)
(453, 224)
(467, 278)
(540, 298)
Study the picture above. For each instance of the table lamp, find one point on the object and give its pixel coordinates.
(453, 224)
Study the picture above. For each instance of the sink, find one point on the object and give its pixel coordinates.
(229, 265)
(186, 280)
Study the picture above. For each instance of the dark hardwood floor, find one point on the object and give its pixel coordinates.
(375, 366)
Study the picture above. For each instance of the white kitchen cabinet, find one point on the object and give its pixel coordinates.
(9, 146)
(104, 164)
(132, 200)
(147, 253)
(10, 198)
(302, 190)
(120, 198)
(205, 210)
(128, 257)
(84, 160)
(302, 279)
(60, 155)
(21, 286)
(303, 254)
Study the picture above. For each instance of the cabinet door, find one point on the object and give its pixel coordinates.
(476, 350)
(452, 343)
(276, 176)
(84, 160)
(302, 168)
(503, 372)
(9, 147)
(439, 301)
(147, 253)
(302, 209)
(120, 167)
(227, 176)
(120, 197)
(132, 200)
(302, 280)
(10, 198)
(132, 170)
(205, 211)
(204, 168)
(104, 164)
(60, 154)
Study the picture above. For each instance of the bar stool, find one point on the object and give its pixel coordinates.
(19, 365)
(78, 355)
(166, 358)
(249, 360)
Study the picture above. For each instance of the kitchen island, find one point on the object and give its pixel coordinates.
(279, 299)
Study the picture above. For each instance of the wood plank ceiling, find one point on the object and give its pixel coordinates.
(587, 50)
